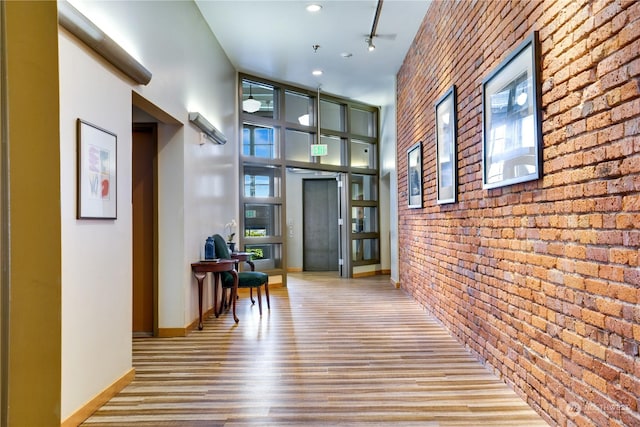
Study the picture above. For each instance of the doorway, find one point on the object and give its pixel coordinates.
(320, 225)
(145, 208)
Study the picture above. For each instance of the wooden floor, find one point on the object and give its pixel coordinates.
(331, 352)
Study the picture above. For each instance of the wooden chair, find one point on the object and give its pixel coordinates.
(246, 279)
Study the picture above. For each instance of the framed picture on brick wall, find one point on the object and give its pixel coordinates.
(511, 118)
(446, 151)
(414, 175)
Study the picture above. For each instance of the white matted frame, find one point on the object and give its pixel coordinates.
(414, 175)
(97, 172)
(511, 119)
(446, 147)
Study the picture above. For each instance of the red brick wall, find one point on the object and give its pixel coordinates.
(541, 280)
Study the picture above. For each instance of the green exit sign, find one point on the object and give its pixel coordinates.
(318, 149)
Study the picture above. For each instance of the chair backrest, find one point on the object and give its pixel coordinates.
(222, 250)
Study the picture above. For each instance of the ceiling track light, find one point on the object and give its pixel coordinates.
(374, 27)
(251, 105)
(370, 45)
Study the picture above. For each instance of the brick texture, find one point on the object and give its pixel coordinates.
(540, 280)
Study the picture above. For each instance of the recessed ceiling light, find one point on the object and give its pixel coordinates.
(317, 72)
(314, 8)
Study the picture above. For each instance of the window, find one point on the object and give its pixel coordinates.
(263, 95)
(267, 256)
(364, 187)
(364, 219)
(331, 116)
(298, 146)
(259, 141)
(299, 108)
(279, 135)
(261, 181)
(334, 151)
(262, 220)
(363, 122)
(364, 250)
(363, 155)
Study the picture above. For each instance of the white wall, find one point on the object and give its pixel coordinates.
(197, 184)
(96, 254)
(388, 195)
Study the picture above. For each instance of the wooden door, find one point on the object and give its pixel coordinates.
(144, 196)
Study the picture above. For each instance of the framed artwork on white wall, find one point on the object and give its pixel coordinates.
(97, 172)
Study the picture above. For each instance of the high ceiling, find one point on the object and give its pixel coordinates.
(275, 39)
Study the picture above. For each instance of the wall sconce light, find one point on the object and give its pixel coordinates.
(81, 27)
(208, 129)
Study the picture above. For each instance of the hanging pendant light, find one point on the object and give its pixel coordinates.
(250, 105)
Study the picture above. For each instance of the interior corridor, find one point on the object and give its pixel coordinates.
(330, 352)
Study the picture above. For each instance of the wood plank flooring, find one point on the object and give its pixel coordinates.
(330, 352)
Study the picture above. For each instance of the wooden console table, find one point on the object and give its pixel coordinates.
(200, 270)
(244, 256)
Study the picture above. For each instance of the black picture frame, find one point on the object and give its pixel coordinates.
(446, 147)
(97, 188)
(511, 118)
(414, 175)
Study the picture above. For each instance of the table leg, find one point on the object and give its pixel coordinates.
(234, 293)
(216, 277)
(200, 278)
